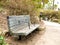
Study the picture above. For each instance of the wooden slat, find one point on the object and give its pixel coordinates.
(25, 31)
(15, 21)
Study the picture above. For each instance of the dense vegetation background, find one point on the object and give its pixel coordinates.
(28, 7)
(22, 7)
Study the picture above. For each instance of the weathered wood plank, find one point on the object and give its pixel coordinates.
(25, 31)
(15, 21)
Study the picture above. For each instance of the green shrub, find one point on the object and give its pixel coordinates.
(2, 41)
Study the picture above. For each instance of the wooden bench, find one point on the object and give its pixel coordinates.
(21, 25)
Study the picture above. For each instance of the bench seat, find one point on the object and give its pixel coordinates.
(25, 31)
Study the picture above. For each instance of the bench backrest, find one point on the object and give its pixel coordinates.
(18, 21)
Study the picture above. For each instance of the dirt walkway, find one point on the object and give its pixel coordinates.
(51, 36)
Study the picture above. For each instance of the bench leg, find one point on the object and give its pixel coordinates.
(19, 37)
(7, 34)
(22, 38)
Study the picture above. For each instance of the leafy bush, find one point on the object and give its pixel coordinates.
(2, 39)
(23, 7)
(52, 15)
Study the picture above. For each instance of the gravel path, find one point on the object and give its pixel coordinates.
(50, 36)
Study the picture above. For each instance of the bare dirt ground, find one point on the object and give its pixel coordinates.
(49, 36)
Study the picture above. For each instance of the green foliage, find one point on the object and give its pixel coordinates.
(22, 5)
(46, 1)
(52, 15)
(2, 42)
(51, 4)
